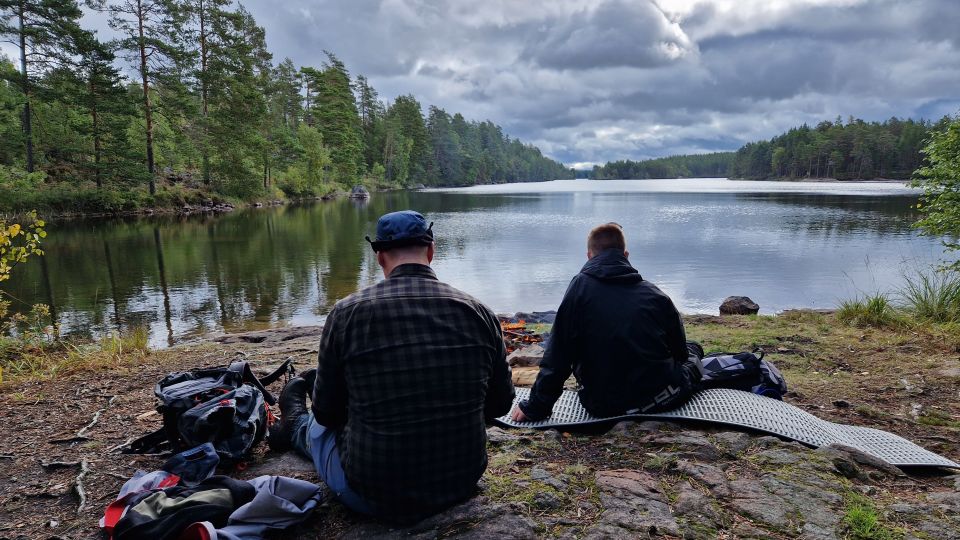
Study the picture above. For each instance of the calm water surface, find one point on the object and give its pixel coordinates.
(514, 246)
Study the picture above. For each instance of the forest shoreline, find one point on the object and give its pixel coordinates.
(207, 202)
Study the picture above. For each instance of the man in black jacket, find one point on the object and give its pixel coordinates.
(410, 369)
(620, 336)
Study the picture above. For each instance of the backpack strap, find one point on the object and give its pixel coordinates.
(285, 367)
(151, 443)
(247, 376)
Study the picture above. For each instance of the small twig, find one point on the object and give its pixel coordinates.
(78, 485)
(116, 475)
(7, 456)
(59, 464)
(121, 445)
(96, 418)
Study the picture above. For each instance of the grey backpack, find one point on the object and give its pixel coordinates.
(226, 406)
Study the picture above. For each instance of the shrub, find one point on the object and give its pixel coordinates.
(940, 180)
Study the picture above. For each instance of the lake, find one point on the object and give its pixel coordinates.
(514, 246)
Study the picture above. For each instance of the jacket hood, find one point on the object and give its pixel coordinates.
(612, 266)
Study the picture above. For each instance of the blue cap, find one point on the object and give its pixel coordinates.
(404, 228)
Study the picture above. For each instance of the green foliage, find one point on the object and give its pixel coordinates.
(13, 179)
(206, 104)
(45, 33)
(857, 150)
(19, 242)
(691, 166)
(408, 132)
(335, 114)
(22, 334)
(940, 180)
(871, 310)
(933, 296)
(308, 176)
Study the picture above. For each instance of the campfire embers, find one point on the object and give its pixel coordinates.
(516, 335)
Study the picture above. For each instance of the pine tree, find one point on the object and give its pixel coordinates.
(106, 102)
(44, 31)
(149, 30)
(239, 70)
(406, 115)
(204, 15)
(446, 147)
(335, 112)
(371, 112)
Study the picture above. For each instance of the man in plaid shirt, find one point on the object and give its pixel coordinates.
(410, 371)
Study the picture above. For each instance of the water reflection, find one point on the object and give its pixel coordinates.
(186, 276)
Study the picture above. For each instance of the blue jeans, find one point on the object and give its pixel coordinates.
(319, 444)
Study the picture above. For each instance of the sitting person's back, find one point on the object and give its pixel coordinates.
(417, 357)
(410, 370)
(619, 335)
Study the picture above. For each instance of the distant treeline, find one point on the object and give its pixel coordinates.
(851, 151)
(189, 94)
(688, 166)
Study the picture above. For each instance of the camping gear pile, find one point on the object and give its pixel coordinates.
(218, 415)
(185, 501)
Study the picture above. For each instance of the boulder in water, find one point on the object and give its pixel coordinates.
(739, 305)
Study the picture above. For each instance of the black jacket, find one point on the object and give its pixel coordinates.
(619, 335)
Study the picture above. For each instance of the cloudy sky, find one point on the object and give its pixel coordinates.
(596, 80)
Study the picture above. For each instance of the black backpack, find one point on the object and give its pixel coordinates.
(225, 406)
(743, 371)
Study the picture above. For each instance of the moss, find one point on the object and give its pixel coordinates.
(577, 469)
(503, 460)
(696, 529)
(938, 418)
(869, 412)
(659, 462)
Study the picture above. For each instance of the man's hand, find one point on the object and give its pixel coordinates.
(518, 416)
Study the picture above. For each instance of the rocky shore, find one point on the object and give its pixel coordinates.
(632, 480)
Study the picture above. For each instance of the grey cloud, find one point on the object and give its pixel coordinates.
(615, 33)
(597, 80)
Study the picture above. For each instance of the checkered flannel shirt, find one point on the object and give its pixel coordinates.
(410, 370)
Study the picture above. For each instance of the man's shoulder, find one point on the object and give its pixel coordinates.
(653, 289)
(410, 288)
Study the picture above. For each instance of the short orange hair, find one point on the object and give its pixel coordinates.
(606, 236)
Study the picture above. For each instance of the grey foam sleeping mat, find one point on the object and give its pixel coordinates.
(749, 410)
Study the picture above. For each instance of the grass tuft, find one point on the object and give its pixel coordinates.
(933, 296)
(871, 310)
(863, 522)
(25, 360)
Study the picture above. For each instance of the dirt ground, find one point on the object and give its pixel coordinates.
(906, 381)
